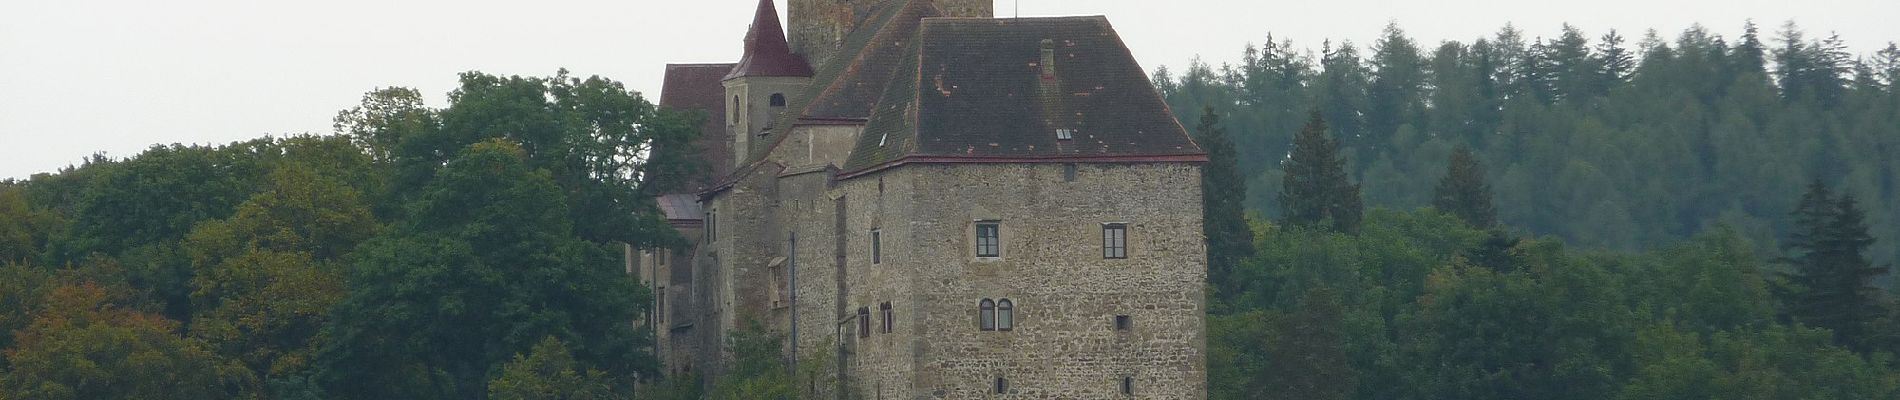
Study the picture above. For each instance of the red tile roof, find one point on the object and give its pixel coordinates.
(766, 52)
(697, 88)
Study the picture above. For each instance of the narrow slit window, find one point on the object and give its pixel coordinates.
(1115, 241)
(877, 247)
(989, 239)
(1128, 385)
(889, 318)
(1002, 385)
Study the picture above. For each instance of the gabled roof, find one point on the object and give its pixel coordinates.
(696, 87)
(975, 89)
(766, 52)
(846, 87)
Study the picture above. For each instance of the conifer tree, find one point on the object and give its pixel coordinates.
(1316, 191)
(1464, 193)
(1222, 195)
(1832, 281)
(1617, 60)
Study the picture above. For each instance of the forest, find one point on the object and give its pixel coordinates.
(1584, 217)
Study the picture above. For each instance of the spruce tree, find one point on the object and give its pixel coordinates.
(1223, 214)
(1464, 193)
(1832, 279)
(1315, 191)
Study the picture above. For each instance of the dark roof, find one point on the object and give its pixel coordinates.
(697, 87)
(766, 52)
(845, 88)
(681, 207)
(974, 88)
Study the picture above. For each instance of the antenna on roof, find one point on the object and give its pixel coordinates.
(1019, 9)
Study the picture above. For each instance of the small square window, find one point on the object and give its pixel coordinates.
(1123, 323)
(1115, 241)
(989, 239)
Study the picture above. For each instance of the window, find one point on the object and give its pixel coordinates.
(712, 225)
(877, 247)
(1065, 134)
(734, 118)
(989, 239)
(1128, 385)
(889, 318)
(1005, 315)
(864, 322)
(986, 315)
(1123, 322)
(778, 99)
(1068, 172)
(1002, 385)
(660, 303)
(1115, 241)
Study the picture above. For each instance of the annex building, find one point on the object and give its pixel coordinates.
(929, 202)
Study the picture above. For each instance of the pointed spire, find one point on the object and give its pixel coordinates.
(766, 52)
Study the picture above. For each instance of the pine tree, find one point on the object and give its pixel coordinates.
(1316, 191)
(1464, 193)
(1832, 281)
(1617, 61)
(1223, 213)
(1751, 55)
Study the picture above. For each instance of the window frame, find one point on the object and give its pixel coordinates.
(864, 322)
(986, 315)
(990, 246)
(877, 246)
(888, 318)
(1115, 241)
(1005, 315)
(776, 100)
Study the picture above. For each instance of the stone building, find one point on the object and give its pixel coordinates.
(933, 203)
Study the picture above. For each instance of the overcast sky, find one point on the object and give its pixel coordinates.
(84, 76)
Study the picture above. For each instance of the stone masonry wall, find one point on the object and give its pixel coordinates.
(1066, 295)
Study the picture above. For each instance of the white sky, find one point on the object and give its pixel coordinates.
(83, 76)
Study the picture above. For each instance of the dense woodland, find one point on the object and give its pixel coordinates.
(1515, 218)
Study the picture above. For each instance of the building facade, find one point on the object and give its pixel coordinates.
(933, 203)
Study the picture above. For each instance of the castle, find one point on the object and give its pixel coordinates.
(933, 203)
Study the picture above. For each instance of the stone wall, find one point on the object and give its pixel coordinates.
(1065, 344)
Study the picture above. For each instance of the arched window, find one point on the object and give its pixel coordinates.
(864, 322)
(1005, 315)
(986, 315)
(778, 99)
(734, 118)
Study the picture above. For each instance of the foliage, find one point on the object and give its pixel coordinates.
(1316, 191)
(1832, 282)
(549, 372)
(485, 264)
(757, 369)
(1223, 194)
(1464, 193)
(81, 347)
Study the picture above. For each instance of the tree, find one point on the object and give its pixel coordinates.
(1306, 353)
(485, 264)
(757, 370)
(549, 372)
(1316, 191)
(1617, 61)
(1222, 203)
(1464, 193)
(81, 347)
(1832, 281)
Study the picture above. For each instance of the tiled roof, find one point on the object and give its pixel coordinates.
(766, 52)
(976, 88)
(845, 88)
(681, 207)
(697, 87)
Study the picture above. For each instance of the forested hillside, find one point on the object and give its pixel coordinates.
(1605, 140)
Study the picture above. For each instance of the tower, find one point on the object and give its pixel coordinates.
(818, 27)
(759, 87)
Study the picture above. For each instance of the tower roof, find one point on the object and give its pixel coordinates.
(766, 52)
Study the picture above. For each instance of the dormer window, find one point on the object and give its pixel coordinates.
(1065, 134)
